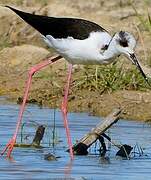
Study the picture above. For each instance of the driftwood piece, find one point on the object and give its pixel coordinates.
(37, 139)
(84, 143)
(38, 136)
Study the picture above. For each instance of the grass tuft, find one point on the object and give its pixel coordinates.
(110, 78)
(145, 21)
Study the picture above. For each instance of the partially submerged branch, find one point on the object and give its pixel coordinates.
(85, 142)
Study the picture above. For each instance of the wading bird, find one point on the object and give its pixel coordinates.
(80, 42)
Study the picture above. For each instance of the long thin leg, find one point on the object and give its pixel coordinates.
(32, 71)
(64, 110)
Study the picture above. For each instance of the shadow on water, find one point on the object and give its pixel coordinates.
(30, 164)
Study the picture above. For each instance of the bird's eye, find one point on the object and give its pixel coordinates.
(123, 43)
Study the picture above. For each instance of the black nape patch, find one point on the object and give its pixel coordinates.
(123, 41)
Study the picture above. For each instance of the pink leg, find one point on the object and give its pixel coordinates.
(32, 71)
(64, 110)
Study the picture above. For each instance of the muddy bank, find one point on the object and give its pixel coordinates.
(136, 105)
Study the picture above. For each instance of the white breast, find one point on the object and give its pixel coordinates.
(77, 51)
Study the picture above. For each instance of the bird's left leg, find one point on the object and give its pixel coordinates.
(64, 110)
(32, 71)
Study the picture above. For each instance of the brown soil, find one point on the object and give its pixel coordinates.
(21, 47)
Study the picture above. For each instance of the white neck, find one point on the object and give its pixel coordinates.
(110, 54)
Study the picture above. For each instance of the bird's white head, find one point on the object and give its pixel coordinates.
(124, 43)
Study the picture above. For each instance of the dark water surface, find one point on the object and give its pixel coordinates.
(30, 164)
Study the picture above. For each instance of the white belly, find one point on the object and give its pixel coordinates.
(80, 51)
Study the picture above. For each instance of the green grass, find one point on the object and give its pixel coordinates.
(43, 75)
(22, 132)
(4, 43)
(42, 2)
(103, 78)
(145, 21)
(110, 78)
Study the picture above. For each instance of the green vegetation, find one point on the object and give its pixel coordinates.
(22, 132)
(42, 2)
(145, 21)
(4, 42)
(51, 132)
(110, 78)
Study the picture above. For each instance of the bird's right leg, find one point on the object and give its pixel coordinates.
(64, 110)
(32, 71)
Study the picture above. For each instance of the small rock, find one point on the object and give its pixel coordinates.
(50, 157)
(30, 101)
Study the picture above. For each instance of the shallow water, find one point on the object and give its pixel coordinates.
(30, 164)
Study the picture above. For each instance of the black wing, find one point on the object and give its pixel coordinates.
(59, 27)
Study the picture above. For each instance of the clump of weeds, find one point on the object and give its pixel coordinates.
(110, 78)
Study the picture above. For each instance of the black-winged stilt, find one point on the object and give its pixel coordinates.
(80, 42)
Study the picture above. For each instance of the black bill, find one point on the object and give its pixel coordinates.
(135, 61)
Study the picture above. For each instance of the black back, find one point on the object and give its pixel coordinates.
(59, 27)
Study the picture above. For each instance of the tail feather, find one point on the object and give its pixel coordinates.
(39, 22)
